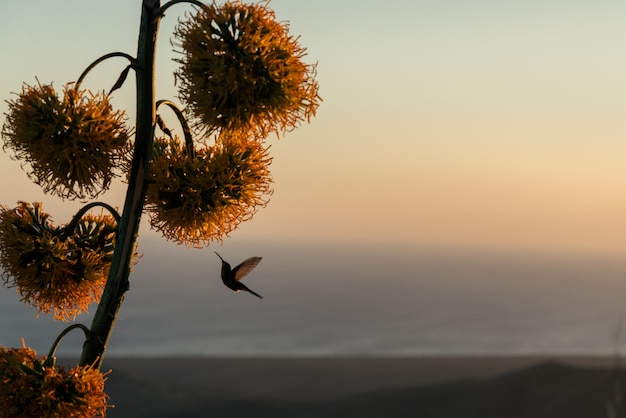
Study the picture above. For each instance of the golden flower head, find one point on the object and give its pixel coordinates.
(241, 69)
(54, 269)
(198, 196)
(31, 387)
(71, 143)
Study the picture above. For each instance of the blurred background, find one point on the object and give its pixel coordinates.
(461, 189)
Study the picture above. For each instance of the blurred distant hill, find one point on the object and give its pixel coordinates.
(544, 390)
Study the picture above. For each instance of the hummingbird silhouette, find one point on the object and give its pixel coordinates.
(232, 277)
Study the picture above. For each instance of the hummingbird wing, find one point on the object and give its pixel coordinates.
(245, 267)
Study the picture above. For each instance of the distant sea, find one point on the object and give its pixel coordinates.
(339, 300)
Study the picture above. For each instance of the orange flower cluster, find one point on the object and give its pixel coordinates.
(242, 70)
(54, 269)
(30, 387)
(198, 196)
(241, 77)
(71, 143)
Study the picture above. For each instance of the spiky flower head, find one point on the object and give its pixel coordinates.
(199, 195)
(32, 387)
(242, 70)
(53, 268)
(71, 143)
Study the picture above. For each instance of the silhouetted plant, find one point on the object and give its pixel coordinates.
(241, 77)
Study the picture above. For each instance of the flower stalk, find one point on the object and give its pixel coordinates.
(60, 337)
(183, 122)
(117, 283)
(133, 63)
(69, 228)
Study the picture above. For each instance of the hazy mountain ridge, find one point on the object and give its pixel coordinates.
(545, 390)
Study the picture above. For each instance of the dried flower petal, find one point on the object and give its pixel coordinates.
(242, 70)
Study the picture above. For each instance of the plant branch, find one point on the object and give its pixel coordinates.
(85, 330)
(183, 123)
(70, 227)
(161, 11)
(128, 227)
(133, 63)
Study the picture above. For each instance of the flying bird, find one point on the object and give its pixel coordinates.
(232, 277)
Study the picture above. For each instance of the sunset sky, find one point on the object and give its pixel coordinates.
(446, 123)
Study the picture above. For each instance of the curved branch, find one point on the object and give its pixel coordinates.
(70, 227)
(183, 123)
(106, 206)
(63, 333)
(161, 11)
(133, 64)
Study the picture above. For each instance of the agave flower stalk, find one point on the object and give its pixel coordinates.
(117, 283)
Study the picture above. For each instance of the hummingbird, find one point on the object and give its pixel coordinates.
(232, 277)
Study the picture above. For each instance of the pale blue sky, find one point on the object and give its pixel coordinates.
(444, 123)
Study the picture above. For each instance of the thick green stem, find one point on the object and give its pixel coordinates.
(128, 228)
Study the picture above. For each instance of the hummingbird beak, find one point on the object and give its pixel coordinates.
(219, 256)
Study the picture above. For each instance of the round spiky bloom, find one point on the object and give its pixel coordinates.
(55, 269)
(71, 143)
(198, 196)
(30, 387)
(241, 69)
